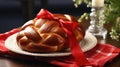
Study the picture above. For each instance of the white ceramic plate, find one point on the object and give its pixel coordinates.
(88, 43)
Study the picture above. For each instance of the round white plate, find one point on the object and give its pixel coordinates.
(86, 44)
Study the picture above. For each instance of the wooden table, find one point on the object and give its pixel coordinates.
(8, 62)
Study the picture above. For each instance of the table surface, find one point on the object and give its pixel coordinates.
(10, 62)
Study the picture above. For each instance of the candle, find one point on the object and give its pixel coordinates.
(97, 3)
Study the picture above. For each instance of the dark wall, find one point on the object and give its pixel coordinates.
(11, 15)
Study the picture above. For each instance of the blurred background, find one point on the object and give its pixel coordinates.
(14, 13)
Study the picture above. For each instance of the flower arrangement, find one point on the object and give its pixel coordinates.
(111, 15)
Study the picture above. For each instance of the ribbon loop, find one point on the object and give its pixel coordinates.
(45, 14)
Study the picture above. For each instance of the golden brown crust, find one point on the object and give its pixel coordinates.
(45, 35)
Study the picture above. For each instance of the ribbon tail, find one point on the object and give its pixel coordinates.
(77, 52)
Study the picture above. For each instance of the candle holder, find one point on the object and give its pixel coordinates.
(96, 24)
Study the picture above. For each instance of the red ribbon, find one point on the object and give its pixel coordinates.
(68, 27)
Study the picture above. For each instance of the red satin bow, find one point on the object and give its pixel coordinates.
(68, 27)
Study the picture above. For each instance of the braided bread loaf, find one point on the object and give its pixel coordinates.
(45, 35)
